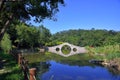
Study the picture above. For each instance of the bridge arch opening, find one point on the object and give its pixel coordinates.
(74, 49)
(66, 49)
(57, 49)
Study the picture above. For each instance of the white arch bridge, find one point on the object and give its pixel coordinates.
(73, 49)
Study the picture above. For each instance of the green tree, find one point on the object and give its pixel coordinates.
(13, 32)
(5, 44)
(23, 10)
(21, 34)
(44, 35)
(26, 35)
(31, 36)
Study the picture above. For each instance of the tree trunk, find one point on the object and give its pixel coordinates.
(1, 4)
(2, 31)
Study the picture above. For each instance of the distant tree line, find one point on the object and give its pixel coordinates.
(91, 37)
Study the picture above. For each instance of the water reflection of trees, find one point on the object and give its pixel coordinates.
(41, 67)
(76, 62)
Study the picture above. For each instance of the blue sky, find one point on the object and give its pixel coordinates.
(86, 14)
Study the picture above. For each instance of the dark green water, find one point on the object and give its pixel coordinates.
(55, 67)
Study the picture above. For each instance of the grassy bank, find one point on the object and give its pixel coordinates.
(105, 52)
(9, 69)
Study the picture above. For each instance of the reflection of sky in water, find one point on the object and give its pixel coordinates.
(59, 71)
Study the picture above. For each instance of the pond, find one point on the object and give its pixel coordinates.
(77, 67)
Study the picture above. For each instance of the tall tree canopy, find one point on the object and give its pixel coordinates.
(11, 10)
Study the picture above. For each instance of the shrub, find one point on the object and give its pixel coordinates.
(5, 44)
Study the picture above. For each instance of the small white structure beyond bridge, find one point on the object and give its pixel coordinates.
(73, 49)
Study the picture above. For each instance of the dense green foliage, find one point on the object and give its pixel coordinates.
(44, 35)
(88, 37)
(5, 44)
(29, 36)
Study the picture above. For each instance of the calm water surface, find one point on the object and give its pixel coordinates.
(71, 69)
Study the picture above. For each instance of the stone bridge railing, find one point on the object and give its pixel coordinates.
(74, 49)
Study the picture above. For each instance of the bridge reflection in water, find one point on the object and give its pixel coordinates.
(73, 49)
